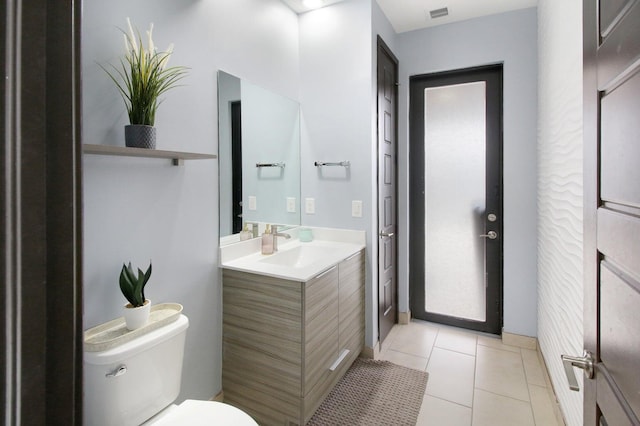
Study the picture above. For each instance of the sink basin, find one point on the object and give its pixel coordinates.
(295, 260)
(298, 257)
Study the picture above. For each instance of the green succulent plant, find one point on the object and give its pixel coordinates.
(132, 284)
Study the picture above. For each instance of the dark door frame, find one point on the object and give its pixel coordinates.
(492, 74)
(40, 192)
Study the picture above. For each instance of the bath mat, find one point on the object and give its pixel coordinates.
(374, 393)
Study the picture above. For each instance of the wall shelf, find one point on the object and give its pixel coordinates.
(177, 157)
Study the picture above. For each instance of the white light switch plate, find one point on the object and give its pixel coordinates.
(291, 204)
(356, 208)
(310, 205)
(253, 202)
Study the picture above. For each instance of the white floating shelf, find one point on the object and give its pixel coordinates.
(176, 156)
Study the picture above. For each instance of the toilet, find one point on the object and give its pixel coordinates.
(136, 382)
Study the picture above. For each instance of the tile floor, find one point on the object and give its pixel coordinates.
(474, 379)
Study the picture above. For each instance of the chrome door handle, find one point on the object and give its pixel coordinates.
(492, 235)
(585, 362)
(386, 234)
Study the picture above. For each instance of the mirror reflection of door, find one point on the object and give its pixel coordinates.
(256, 125)
(456, 178)
(236, 165)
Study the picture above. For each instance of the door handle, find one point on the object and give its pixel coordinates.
(492, 235)
(584, 362)
(386, 234)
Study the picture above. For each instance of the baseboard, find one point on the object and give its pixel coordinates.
(369, 352)
(219, 397)
(556, 404)
(519, 341)
(404, 317)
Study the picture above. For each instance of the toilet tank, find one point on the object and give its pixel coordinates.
(130, 383)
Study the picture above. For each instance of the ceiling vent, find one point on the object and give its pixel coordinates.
(439, 13)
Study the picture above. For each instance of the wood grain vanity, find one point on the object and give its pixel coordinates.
(287, 343)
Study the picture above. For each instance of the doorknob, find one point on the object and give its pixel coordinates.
(492, 235)
(584, 362)
(386, 234)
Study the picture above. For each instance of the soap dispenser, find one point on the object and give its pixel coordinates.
(267, 241)
(245, 234)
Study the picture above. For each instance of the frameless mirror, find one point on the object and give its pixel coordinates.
(259, 157)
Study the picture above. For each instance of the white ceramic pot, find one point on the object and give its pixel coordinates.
(135, 318)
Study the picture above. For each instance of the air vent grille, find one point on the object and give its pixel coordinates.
(439, 13)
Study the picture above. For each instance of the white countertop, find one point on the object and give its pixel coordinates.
(294, 260)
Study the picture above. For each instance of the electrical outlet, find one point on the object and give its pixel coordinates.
(310, 205)
(356, 208)
(291, 204)
(253, 202)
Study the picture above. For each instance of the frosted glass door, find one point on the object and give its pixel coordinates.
(455, 159)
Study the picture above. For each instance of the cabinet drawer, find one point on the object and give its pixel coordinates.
(321, 327)
(319, 293)
(351, 275)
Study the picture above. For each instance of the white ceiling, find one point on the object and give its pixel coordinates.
(408, 15)
(299, 7)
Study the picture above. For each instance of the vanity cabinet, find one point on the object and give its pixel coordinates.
(287, 343)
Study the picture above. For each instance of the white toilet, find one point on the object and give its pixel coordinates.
(137, 382)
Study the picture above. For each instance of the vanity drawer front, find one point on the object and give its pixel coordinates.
(351, 275)
(351, 322)
(262, 345)
(321, 327)
(351, 303)
(320, 292)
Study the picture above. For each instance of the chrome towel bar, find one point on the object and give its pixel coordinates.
(281, 165)
(339, 163)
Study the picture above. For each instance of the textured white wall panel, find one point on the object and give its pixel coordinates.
(560, 291)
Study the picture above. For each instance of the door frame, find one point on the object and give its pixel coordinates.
(590, 202)
(41, 194)
(382, 329)
(493, 75)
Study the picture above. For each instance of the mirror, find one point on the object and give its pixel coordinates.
(258, 156)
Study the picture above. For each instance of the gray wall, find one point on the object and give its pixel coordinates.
(508, 38)
(336, 99)
(140, 209)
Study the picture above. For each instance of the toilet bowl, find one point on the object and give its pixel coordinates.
(202, 413)
(135, 381)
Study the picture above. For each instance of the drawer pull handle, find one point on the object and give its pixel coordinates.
(338, 361)
(352, 256)
(322, 274)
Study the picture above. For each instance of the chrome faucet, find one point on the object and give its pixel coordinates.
(276, 234)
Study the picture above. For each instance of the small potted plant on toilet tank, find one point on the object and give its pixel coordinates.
(136, 312)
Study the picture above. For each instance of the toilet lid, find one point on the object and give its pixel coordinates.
(196, 413)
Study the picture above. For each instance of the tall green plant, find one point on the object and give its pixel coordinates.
(132, 285)
(143, 76)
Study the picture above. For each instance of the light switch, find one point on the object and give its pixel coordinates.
(356, 208)
(310, 205)
(291, 204)
(252, 202)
